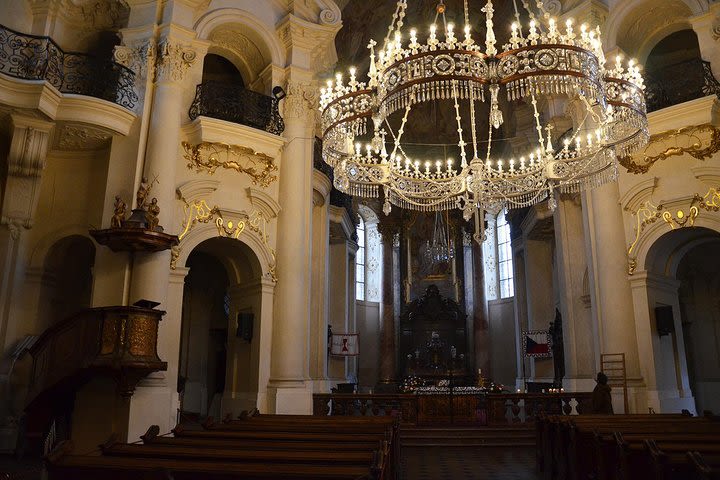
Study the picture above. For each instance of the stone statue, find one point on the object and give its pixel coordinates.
(153, 210)
(142, 193)
(119, 213)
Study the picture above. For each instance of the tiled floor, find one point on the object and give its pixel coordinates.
(440, 463)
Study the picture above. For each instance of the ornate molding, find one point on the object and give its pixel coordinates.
(139, 58)
(698, 141)
(648, 213)
(74, 138)
(302, 101)
(199, 211)
(172, 61)
(209, 156)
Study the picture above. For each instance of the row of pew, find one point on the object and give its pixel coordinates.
(628, 447)
(253, 447)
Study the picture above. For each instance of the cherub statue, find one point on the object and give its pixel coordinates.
(153, 210)
(119, 214)
(142, 193)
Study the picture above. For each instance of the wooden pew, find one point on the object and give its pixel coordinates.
(611, 449)
(670, 461)
(272, 447)
(583, 457)
(703, 470)
(566, 444)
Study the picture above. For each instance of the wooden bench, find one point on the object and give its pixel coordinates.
(272, 447)
(609, 447)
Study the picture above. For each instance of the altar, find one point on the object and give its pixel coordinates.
(433, 339)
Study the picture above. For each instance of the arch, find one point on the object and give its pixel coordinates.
(635, 27)
(263, 259)
(367, 214)
(667, 252)
(646, 258)
(67, 280)
(262, 35)
(43, 246)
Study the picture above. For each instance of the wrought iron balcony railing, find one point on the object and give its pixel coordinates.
(32, 57)
(679, 83)
(238, 105)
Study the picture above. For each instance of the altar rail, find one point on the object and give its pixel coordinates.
(483, 409)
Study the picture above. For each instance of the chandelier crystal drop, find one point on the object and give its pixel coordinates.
(541, 64)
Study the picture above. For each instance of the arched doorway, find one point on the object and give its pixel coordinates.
(219, 356)
(699, 295)
(683, 288)
(67, 280)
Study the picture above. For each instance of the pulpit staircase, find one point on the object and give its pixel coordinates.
(467, 436)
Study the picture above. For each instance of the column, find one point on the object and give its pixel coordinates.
(388, 348)
(578, 329)
(287, 390)
(705, 27)
(156, 396)
(20, 195)
(317, 340)
(480, 328)
(610, 293)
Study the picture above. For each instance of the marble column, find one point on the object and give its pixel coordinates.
(317, 341)
(480, 327)
(151, 277)
(287, 389)
(388, 347)
(611, 295)
(579, 333)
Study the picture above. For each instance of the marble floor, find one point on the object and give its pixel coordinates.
(496, 463)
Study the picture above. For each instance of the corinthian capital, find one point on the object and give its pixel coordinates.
(138, 58)
(301, 101)
(173, 61)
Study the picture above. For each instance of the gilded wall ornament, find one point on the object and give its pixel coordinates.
(649, 213)
(209, 156)
(199, 211)
(698, 141)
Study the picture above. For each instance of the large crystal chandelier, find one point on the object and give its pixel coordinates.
(541, 62)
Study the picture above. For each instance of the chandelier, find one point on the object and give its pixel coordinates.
(541, 62)
(441, 249)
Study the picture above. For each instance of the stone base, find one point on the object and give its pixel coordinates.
(289, 398)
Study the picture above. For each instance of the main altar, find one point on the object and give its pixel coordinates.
(433, 340)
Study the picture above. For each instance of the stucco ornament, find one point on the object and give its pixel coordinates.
(173, 61)
(301, 101)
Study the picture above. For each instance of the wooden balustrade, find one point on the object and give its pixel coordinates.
(482, 409)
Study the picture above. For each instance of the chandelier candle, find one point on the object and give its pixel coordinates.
(551, 63)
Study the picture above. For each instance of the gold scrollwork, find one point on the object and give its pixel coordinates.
(209, 156)
(649, 213)
(200, 211)
(698, 141)
(232, 230)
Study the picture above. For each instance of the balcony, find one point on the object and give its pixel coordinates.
(238, 105)
(32, 57)
(679, 83)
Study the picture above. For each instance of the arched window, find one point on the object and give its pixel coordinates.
(497, 252)
(360, 262)
(504, 251)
